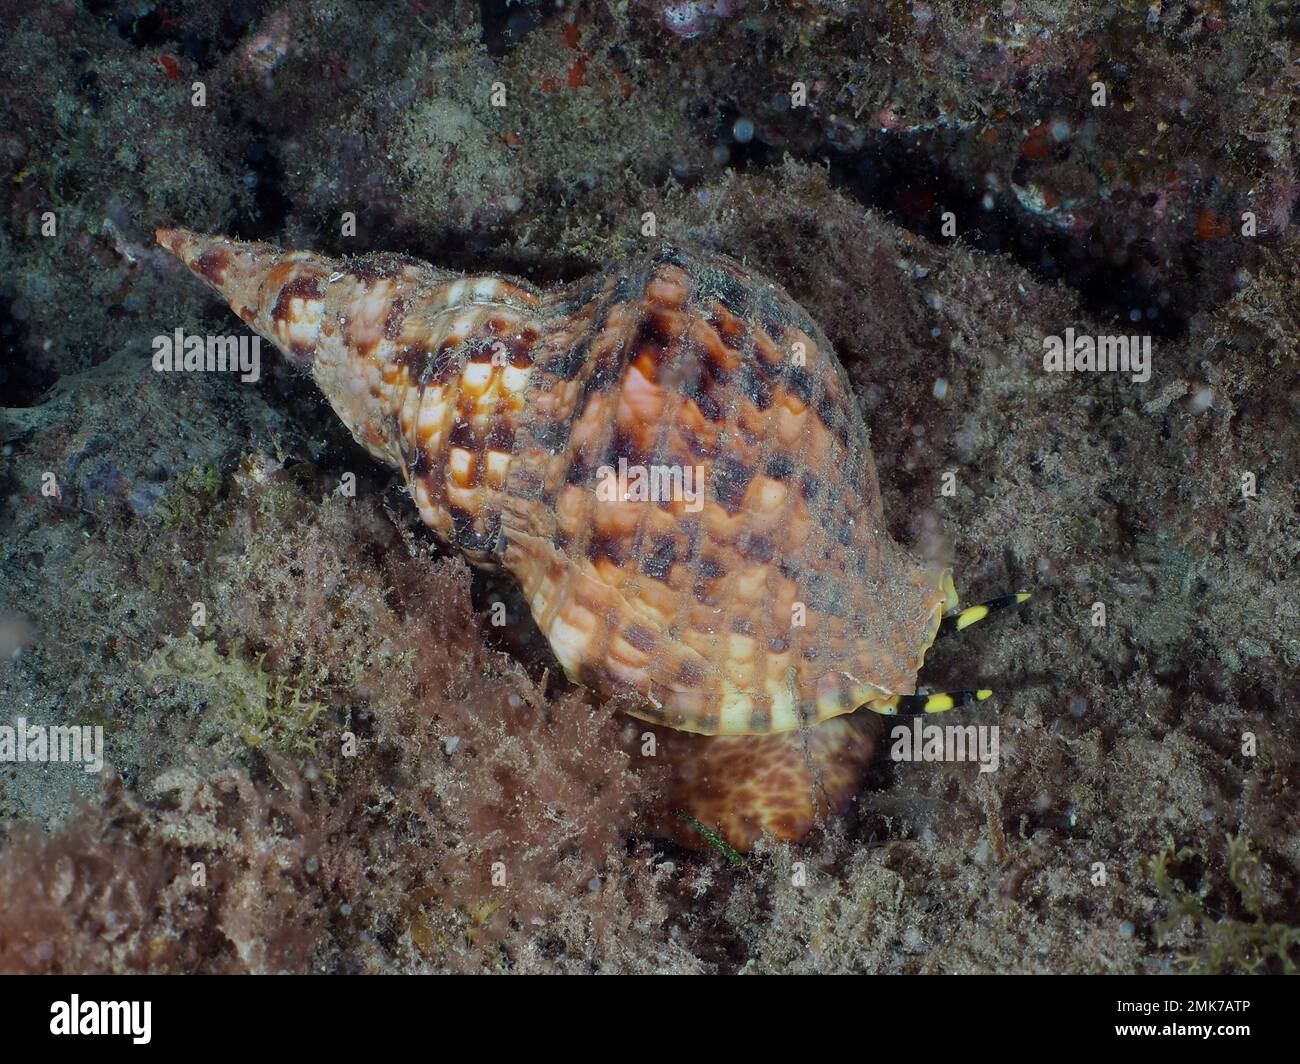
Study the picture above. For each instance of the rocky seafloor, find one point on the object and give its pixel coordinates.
(941, 185)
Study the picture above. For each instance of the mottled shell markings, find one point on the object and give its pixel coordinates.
(771, 602)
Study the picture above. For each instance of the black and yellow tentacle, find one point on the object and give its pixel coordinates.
(955, 620)
(923, 705)
(959, 620)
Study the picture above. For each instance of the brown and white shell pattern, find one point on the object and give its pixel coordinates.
(777, 600)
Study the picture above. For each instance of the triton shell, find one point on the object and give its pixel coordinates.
(531, 424)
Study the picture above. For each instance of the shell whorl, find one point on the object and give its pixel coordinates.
(780, 602)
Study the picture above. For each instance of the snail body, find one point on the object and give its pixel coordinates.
(669, 460)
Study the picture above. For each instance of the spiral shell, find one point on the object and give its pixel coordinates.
(773, 601)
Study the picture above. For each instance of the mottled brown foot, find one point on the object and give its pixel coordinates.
(741, 786)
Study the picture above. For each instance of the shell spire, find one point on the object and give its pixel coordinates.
(259, 281)
(427, 370)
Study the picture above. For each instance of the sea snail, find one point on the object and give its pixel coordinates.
(669, 460)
